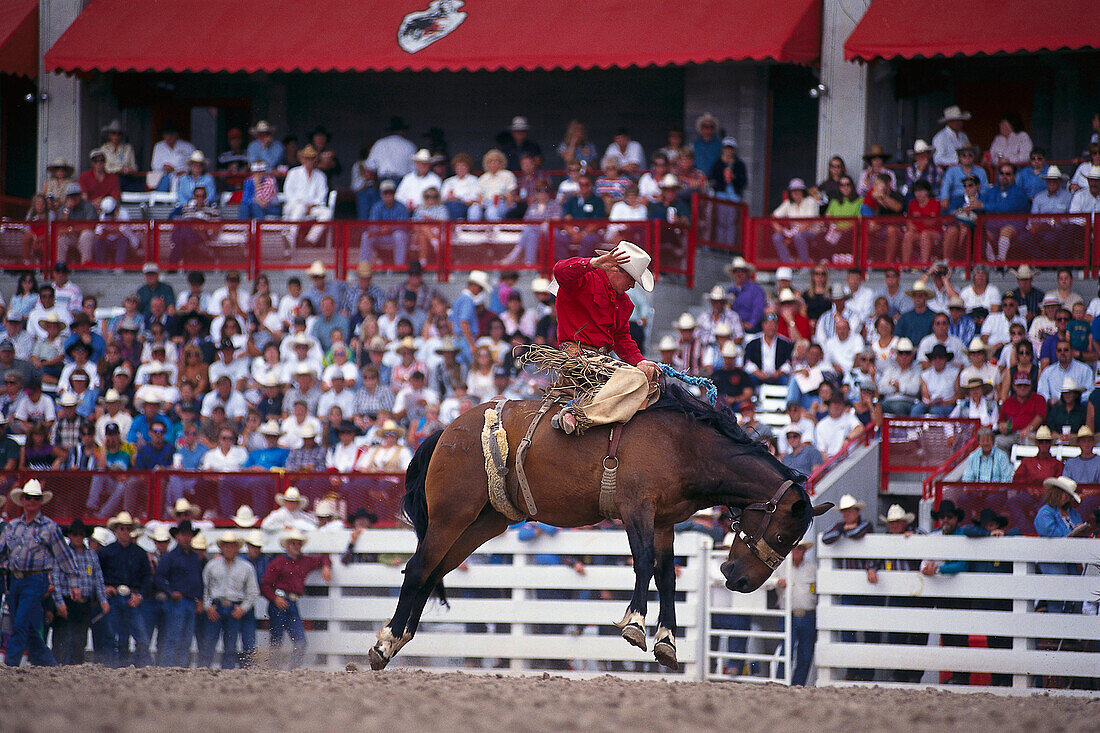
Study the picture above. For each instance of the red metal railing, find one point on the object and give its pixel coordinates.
(804, 242)
(923, 445)
(92, 245)
(1018, 502)
(95, 496)
(898, 241)
(719, 224)
(1050, 240)
(845, 450)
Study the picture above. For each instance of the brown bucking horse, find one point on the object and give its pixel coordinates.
(676, 457)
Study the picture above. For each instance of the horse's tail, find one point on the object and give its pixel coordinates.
(415, 503)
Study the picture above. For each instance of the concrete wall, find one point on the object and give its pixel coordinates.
(842, 115)
(60, 117)
(857, 475)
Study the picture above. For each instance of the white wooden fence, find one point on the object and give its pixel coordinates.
(1045, 648)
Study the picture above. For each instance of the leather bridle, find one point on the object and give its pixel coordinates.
(764, 552)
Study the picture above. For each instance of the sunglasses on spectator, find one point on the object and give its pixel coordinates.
(835, 165)
(157, 432)
(969, 185)
(1008, 174)
(966, 154)
(1061, 319)
(845, 184)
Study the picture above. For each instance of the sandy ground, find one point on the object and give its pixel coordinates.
(93, 699)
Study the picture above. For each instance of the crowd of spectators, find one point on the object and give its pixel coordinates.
(392, 180)
(943, 188)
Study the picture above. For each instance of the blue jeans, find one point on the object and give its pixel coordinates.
(397, 240)
(801, 241)
(248, 638)
(127, 622)
(156, 619)
(175, 649)
(255, 211)
(228, 628)
(290, 622)
(794, 394)
(456, 210)
(101, 640)
(803, 640)
(920, 409)
(28, 631)
(203, 642)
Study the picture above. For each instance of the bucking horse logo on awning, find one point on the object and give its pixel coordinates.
(422, 29)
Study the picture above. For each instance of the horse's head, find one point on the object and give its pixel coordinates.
(764, 532)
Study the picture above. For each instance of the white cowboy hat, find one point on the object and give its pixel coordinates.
(245, 517)
(668, 180)
(271, 428)
(668, 343)
(112, 126)
(1023, 272)
(325, 508)
(920, 287)
(731, 350)
(1053, 172)
(307, 431)
(1069, 384)
(479, 278)
(685, 322)
(784, 273)
(150, 393)
(896, 514)
(920, 146)
(519, 122)
(317, 269)
(112, 396)
(68, 400)
(61, 163)
(261, 126)
(103, 536)
(786, 295)
(293, 534)
(197, 157)
(1043, 433)
(740, 263)
(406, 343)
(160, 534)
(421, 156)
(849, 502)
(391, 428)
(122, 519)
(199, 542)
(638, 264)
(706, 117)
(254, 538)
(229, 537)
(540, 285)
(1093, 173)
(1067, 485)
(268, 379)
(50, 317)
(976, 344)
(1050, 299)
(716, 293)
(31, 488)
(954, 112)
(722, 329)
(292, 494)
(182, 506)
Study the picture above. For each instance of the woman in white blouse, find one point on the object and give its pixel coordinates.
(1013, 144)
(797, 206)
(462, 192)
(495, 183)
(979, 293)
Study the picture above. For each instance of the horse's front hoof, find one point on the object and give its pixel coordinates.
(635, 634)
(377, 659)
(665, 652)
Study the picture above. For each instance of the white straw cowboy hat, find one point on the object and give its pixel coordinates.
(325, 508)
(50, 317)
(685, 322)
(731, 350)
(229, 537)
(391, 428)
(421, 156)
(271, 428)
(199, 542)
(61, 163)
(261, 126)
(920, 146)
(904, 344)
(102, 536)
(1053, 172)
(638, 264)
(1093, 173)
(307, 431)
(255, 538)
(33, 489)
(849, 502)
(668, 343)
(1023, 272)
(122, 519)
(954, 112)
(976, 344)
(896, 514)
(739, 263)
(722, 330)
(716, 293)
(1067, 485)
(160, 534)
(669, 181)
(479, 278)
(197, 157)
(788, 296)
(540, 285)
(182, 506)
(920, 287)
(784, 273)
(976, 383)
(1043, 433)
(1085, 432)
(317, 269)
(291, 535)
(1069, 384)
(292, 494)
(245, 517)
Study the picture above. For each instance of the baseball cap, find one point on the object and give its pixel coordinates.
(111, 429)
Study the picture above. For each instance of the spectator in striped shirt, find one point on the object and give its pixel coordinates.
(258, 199)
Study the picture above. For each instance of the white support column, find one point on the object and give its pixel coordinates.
(59, 123)
(842, 113)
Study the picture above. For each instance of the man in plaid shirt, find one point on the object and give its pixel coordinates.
(75, 597)
(30, 546)
(66, 431)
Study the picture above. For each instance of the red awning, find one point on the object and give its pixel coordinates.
(338, 35)
(19, 37)
(905, 29)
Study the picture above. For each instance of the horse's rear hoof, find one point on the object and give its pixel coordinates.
(635, 634)
(665, 652)
(377, 660)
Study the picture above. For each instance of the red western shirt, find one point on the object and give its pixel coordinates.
(1022, 413)
(290, 575)
(591, 312)
(1034, 470)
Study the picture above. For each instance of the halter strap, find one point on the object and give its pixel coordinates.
(764, 552)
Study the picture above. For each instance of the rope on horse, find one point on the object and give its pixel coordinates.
(712, 391)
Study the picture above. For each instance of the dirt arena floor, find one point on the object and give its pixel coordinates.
(93, 699)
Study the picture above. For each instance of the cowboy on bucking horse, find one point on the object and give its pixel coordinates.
(594, 316)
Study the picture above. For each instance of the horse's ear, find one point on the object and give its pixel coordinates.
(822, 508)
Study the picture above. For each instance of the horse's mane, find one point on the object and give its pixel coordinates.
(677, 399)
